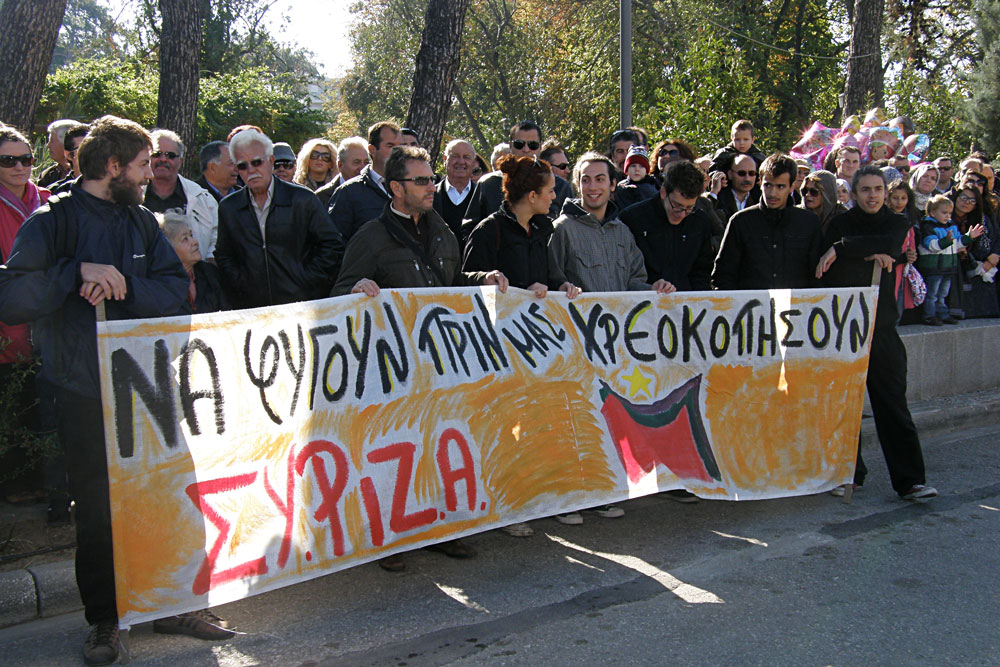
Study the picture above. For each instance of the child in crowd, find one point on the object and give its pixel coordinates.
(637, 185)
(844, 193)
(741, 143)
(937, 261)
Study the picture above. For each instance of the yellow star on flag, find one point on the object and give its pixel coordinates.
(638, 382)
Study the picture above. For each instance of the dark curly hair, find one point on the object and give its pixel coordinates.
(522, 175)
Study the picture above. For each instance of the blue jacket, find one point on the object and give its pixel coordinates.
(41, 281)
(356, 202)
(936, 253)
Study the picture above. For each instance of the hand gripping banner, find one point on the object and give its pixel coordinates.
(256, 449)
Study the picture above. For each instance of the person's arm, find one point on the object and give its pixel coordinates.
(227, 258)
(700, 275)
(481, 248)
(163, 288)
(341, 211)
(727, 263)
(327, 249)
(359, 262)
(33, 282)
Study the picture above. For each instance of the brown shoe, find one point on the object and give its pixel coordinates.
(393, 563)
(101, 646)
(453, 549)
(200, 624)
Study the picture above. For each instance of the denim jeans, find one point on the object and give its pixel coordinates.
(937, 291)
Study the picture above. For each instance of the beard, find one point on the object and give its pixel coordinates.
(125, 192)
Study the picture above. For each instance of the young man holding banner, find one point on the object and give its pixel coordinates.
(95, 245)
(870, 234)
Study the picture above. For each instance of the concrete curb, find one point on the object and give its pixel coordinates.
(41, 591)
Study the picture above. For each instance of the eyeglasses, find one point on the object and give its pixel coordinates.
(256, 162)
(811, 192)
(519, 144)
(669, 152)
(325, 157)
(742, 173)
(975, 181)
(564, 165)
(966, 199)
(170, 155)
(8, 161)
(477, 172)
(674, 206)
(422, 181)
(948, 168)
(283, 164)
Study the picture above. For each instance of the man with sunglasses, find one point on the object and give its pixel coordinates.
(362, 198)
(525, 139)
(169, 190)
(276, 243)
(409, 245)
(946, 170)
(71, 143)
(741, 191)
(770, 245)
(555, 155)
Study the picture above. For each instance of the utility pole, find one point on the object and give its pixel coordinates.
(625, 63)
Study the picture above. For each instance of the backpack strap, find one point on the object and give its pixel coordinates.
(66, 228)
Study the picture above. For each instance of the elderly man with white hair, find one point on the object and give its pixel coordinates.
(276, 243)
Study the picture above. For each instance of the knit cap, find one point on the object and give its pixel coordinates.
(637, 155)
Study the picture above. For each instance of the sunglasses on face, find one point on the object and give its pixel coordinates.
(564, 165)
(669, 152)
(256, 162)
(810, 192)
(422, 181)
(283, 164)
(170, 155)
(325, 157)
(8, 161)
(519, 144)
(742, 173)
(975, 181)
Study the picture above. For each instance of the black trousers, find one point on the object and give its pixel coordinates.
(893, 423)
(81, 433)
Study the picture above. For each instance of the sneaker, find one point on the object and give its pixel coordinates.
(682, 496)
(570, 518)
(842, 489)
(918, 491)
(609, 511)
(201, 624)
(518, 530)
(101, 646)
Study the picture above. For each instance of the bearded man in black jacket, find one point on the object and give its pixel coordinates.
(869, 234)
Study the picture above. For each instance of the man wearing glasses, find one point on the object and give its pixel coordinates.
(71, 143)
(946, 169)
(675, 239)
(770, 245)
(169, 190)
(742, 190)
(525, 139)
(276, 243)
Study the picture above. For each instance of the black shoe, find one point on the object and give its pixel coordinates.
(101, 647)
(201, 624)
(393, 563)
(949, 320)
(933, 321)
(59, 512)
(682, 496)
(453, 549)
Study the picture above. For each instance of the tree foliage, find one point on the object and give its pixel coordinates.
(983, 107)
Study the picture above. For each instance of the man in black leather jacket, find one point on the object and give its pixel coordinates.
(276, 243)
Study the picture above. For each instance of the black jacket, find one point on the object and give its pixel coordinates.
(680, 254)
(298, 262)
(453, 214)
(856, 235)
(725, 202)
(209, 295)
(723, 158)
(487, 196)
(500, 243)
(356, 202)
(383, 251)
(767, 249)
(41, 281)
(628, 193)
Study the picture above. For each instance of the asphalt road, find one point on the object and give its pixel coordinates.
(801, 581)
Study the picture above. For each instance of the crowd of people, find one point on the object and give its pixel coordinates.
(114, 222)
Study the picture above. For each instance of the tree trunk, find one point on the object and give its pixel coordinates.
(28, 32)
(180, 57)
(436, 69)
(864, 69)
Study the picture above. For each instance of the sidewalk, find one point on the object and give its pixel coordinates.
(45, 589)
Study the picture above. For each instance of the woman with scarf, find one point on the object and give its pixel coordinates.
(923, 180)
(19, 197)
(819, 195)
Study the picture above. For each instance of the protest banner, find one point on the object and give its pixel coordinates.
(256, 449)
